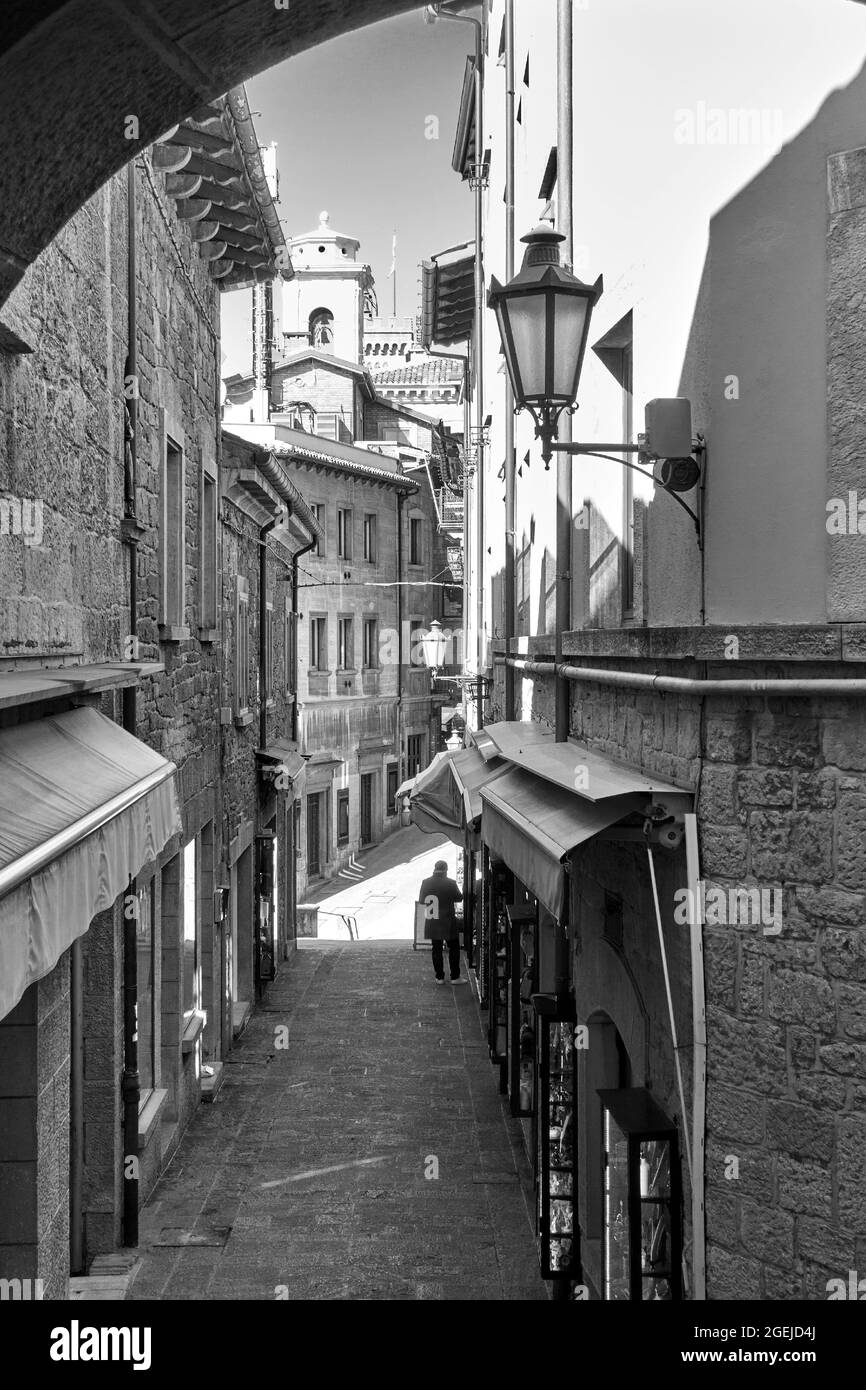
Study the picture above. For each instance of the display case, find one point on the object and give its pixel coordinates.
(642, 1199)
(482, 930)
(500, 895)
(556, 1141)
(523, 918)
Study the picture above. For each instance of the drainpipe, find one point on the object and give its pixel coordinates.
(510, 459)
(130, 530)
(564, 208)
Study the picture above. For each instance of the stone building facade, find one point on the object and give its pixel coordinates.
(129, 407)
(748, 620)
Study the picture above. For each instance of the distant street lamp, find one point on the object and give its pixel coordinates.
(544, 315)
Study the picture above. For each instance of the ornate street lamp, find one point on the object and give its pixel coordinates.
(544, 315)
(434, 645)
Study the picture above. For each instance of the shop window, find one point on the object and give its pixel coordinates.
(343, 817)
(393, 784)
(191, 947)
(371, 643)
(318, 644)
(416, 552)
(147, 961)
(642, 1240)
(173, 535)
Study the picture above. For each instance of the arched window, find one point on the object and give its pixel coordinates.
(321, 328)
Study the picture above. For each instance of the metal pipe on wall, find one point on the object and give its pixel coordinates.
(679, 685)
(564, 222)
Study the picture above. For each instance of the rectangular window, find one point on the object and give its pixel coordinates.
(318, 644)
(346, 645)
(269, 652)
(393, 784)
(344, 533)
(415, 542)
(371, 643)
(318, 510)
(242, 645)
(173, 536)
(343, 817)
(145, 950)
(191, 960)
(208, 597)
(370, 537)
(415, 754)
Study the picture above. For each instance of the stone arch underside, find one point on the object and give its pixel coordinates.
(72, 71)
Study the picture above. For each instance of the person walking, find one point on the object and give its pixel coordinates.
(439, 893)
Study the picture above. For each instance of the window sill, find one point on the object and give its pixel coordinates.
(168, 632)
(149, 1111)
(192, 1030)
(208, 634)
(244, 719)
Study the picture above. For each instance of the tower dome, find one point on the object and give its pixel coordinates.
(323, 248)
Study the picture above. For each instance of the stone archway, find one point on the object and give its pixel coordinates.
(73, 71)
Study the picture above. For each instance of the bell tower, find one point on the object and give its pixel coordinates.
(323, 303)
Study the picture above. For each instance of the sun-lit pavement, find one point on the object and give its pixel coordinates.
(313, 1175)
(381, 898)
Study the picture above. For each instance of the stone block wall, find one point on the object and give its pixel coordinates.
(781, 808)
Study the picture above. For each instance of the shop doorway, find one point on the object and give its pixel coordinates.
(367, 781)
(314, 834)
(605, 1066)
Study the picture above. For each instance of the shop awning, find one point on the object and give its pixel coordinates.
(83, 805)
(534, 826)
(282, 762)
(447, 795)
(577, 769)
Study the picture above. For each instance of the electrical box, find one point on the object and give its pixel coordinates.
(668, 428)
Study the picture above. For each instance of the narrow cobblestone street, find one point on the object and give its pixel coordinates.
(306, 1179)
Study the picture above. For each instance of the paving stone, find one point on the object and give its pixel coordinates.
(311, 1165)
